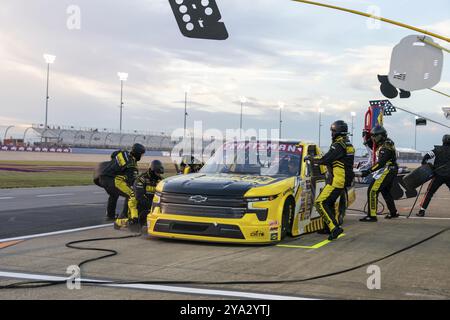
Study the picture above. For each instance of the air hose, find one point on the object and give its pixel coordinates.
(415, 201)
(40, 284)
(71, 245)
(379, 213)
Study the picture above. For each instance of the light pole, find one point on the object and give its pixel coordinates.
(280, 106)
(243, 100)
(353, 114)
(122, 77)
(49, 59)
(415, 132)
(186, 91)
(320, 122)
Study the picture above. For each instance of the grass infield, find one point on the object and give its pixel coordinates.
(36, 174)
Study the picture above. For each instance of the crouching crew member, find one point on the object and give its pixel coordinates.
(145, 187)
(110, 214)
(386, 170)
(189, 165)
(118, 178)
(339, 161)
(441, 166)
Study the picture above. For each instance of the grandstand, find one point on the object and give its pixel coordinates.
(102, 138)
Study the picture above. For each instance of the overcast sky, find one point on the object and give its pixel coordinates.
(278, 50)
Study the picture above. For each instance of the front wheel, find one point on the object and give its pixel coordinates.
(286, 219)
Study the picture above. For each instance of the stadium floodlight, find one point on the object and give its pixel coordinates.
(280, 107)
(353, 114)
(49, 58)
(320, 110)
(243, 100)
(123, 76)
(187, 89)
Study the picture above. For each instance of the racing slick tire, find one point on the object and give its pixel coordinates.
(286, 218)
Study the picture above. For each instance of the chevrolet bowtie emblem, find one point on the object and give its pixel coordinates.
(198, 199)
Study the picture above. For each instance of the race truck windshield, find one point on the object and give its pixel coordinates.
(256, 158)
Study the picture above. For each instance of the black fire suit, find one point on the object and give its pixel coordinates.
(441, 156)
(97, 173)
(117, 178)
(144, 189)
(386, 170)
(339, 160)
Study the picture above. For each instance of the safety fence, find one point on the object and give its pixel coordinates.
(36, 149)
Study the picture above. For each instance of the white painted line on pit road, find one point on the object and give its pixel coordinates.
(99, 192)
(40, 235)
(163, 288)
(402, 217)
(54, 195)
(6, 198)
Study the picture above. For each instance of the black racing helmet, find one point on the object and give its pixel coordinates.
(446, 140)
(157, 167)
(137, 151)
(379, 134)
(339, 128)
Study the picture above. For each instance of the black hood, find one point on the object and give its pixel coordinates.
(215, 184)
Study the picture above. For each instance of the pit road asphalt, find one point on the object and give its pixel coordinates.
(41, 210)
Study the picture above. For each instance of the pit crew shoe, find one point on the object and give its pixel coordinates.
(335, 233)
(369, 219)
(120, 224)
(392, 215)
(421, 213)
(134, 225)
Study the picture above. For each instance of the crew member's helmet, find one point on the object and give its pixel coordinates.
(339, 128)
(379, 134)
(446, 140)
(137, 151)
(157, 167)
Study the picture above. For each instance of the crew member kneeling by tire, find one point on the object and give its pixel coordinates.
(145, 187)
(339, 160)
(118, 178)
(386, 170)
(441, 157)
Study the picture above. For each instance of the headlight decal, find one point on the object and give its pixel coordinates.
(261, 199)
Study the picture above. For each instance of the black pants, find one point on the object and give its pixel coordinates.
(382, 184)
(434, 185)
(114, 193)
(144, 206)
(325, 205)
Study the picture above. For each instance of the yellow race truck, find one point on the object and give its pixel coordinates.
(248, 192)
